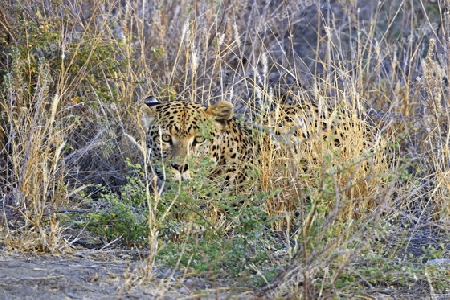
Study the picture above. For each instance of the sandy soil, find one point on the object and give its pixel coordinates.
(89, 272)
(95, 274)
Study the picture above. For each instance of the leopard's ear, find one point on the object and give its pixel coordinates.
(149, 111)
(221, 111)
(151, 101)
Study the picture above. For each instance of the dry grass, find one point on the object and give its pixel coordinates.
(36, 141)
(72, 72)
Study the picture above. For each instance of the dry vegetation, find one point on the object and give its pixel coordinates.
(320, 221)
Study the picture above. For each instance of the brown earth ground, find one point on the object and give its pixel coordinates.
(119, 274)
(90, 268)
(96, 274)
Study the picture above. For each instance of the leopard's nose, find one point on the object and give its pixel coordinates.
(180, 168)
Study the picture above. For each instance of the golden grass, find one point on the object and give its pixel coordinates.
(353, 171)
(205, 51)
(36, 140)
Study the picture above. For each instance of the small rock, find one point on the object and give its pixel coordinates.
(439, 261)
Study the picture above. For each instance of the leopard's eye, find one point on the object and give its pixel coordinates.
(166, 138)
(199, 139)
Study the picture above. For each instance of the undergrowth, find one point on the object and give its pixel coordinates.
(316, 220)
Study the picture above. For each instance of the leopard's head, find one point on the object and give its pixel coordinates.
(178, 131)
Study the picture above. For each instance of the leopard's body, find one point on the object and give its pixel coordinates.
(178, 132)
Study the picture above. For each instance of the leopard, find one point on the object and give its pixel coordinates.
(180, 133)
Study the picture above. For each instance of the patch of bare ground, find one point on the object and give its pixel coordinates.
(96, 274)
(122, 274)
